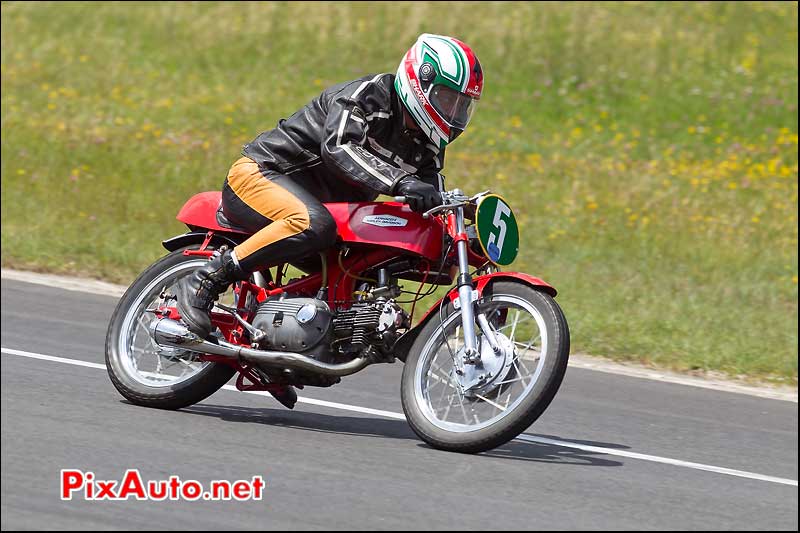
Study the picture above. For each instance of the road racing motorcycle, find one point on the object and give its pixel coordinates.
(480, 365)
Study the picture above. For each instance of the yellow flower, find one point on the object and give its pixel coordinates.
(732, 185)
(755, 220)
(535, 160)
(515, 122)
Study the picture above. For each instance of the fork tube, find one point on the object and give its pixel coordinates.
(465, 288)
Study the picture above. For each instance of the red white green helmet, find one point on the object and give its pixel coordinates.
(439, 81)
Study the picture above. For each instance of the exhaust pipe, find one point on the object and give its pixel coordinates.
(168, 332)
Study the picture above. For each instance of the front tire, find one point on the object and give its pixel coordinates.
(143, 372)
(473, 422)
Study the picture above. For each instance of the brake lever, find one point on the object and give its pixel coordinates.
(444, 207)
(477, 196)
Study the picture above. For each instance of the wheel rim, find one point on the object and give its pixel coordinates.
(436, 389)
(142, 359)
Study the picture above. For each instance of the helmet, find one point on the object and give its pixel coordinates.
(439, 81)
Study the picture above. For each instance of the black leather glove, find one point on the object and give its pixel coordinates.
(420, 196)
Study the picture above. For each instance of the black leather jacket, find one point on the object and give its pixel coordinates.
(349, 144)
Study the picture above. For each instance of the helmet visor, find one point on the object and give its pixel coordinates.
(455, 108)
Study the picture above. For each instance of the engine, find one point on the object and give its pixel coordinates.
(308, 326)
(369, 324)
(294, 324)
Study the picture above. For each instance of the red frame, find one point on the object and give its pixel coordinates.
(369, 244)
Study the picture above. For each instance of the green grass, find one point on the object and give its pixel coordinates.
(649, 149)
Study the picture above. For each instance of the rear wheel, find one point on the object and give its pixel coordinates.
(518, 383)
(144, 372)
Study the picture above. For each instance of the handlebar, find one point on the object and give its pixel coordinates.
(451, 199)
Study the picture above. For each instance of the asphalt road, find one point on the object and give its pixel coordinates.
(330, 468)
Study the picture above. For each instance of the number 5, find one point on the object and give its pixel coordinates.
(502, 209)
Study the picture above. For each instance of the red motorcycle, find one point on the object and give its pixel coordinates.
(481, 365)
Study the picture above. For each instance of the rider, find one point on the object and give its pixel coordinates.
(383, 134)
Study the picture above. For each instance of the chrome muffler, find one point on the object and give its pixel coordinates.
(173, 334)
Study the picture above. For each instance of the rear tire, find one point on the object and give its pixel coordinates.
(421, 415)
(124, 374)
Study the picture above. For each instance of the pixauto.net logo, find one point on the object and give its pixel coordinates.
(84, 485)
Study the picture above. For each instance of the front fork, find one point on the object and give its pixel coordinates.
(467, 296)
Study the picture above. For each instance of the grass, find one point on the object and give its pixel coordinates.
(649, 149)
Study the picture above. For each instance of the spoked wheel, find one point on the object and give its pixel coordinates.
(141, 370)
(487, 404)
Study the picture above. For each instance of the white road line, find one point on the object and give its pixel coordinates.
(76, 362)
(664, 460)
(523, 437)
(582, 361)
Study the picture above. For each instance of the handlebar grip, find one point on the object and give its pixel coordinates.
(401, 199)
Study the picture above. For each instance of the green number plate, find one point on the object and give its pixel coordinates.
(497, 230)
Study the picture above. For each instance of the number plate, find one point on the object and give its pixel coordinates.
(497, 230)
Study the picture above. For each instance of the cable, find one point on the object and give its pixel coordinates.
(347, 272)
(416, 298)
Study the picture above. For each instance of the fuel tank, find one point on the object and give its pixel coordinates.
(389, 224)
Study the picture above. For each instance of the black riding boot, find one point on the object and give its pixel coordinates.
(198, 291)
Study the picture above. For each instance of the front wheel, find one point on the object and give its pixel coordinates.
(451, 410)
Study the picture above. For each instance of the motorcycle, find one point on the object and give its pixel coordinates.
(480, 366)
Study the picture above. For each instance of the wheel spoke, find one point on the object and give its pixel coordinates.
(520, 373)
(522, 321)
(444, 380)
(510, 381)
(514, 326)
(464, 411)
(526, 346)
(490, 402)
(449, 406)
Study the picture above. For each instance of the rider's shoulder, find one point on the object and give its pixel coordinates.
(371, 86)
